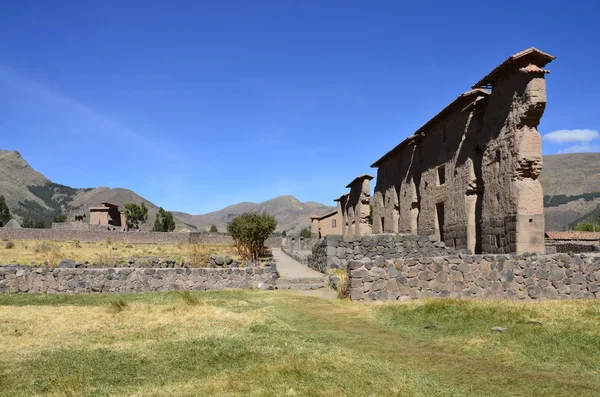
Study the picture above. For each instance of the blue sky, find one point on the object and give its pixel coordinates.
(198, 105)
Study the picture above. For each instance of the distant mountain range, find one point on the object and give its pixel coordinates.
(29, 194)
(571, 185)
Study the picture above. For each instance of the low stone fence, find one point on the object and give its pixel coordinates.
(26, 279)
(300, 256)
(296, 244)
(558, 276)
(335, 251)
(576, 247)
(132, 237)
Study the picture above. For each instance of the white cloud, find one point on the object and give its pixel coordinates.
(580, 149)
(568, 136)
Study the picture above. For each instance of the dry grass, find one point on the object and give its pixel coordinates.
(245, 343)
(108, 252)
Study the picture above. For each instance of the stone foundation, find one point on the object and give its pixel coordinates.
(558, 276)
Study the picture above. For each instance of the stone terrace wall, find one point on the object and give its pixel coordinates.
(335, 251)
(25, 279)
(558, 276)
(133, 237)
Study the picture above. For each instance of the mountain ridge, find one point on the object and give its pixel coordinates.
(29, 194)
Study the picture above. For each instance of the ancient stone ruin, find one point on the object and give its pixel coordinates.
(469, 176)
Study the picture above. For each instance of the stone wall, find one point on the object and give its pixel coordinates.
(133, 237)
(558, 276)
(296, 244)
(334, 252)
(469, 176)
(27, 279)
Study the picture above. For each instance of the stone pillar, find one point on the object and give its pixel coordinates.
(359, 202)
(513, 213)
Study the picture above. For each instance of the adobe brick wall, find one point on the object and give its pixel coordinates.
(26, 279)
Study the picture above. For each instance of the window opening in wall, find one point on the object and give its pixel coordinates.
(498, 156)
(333, 223)
(498, 240)
(382, 224)
(439, 207)
(441, 175)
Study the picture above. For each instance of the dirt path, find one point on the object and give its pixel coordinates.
(290, 268)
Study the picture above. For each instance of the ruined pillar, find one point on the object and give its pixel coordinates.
(359, 205)
(513, 213)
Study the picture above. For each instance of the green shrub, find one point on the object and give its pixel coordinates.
(9, 244)
(305, 233)
(249, 233)
(60, 218)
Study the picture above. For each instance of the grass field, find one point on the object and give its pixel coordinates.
(52, 252)
(249, 343)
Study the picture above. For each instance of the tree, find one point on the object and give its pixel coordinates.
(305, 233)
(31, 223)
(586, 227)
(164, 221)
(4, 212)
(60, 218)
(136, 215)
(250, 231)
(213, 229)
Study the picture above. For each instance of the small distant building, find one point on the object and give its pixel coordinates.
(323, 225)
(107, 215)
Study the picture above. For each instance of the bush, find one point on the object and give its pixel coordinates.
(587, 227)
(249, 233)
(343, 287)
(76, 243)
(213, 229)
(305, 233)
(60, 218)
(9, 244)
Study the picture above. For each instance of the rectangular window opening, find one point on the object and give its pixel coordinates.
(333, 223)
(441, 175)
(439, 207)
(382, 224)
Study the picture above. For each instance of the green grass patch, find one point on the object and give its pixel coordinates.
(249, 343)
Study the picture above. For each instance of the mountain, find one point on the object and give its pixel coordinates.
(291, 214)
(571, 184)
(574, 181)
(29, 194)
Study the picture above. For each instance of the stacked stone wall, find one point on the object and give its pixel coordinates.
(296, 243)
(558, 276)
(26, 279)
(133, 237)
(334, 252)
